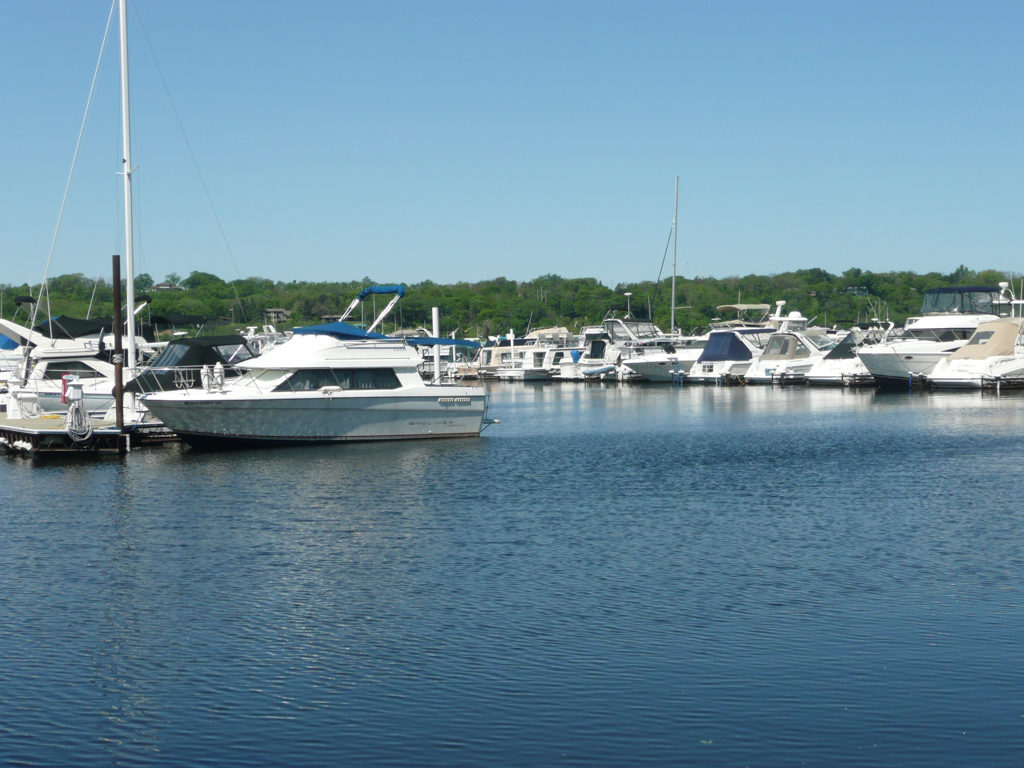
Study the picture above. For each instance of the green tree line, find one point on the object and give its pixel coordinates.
(494, 306)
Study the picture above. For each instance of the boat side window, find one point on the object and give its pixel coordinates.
(373, 378)
(58, 368)
(234, 353)
(980, 337)
(170, 356)
(308, 380)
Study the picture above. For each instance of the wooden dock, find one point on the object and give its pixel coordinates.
(48, 435)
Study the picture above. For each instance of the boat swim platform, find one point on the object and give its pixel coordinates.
(48, 435)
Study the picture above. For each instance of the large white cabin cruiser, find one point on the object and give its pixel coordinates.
(949, 316)
(993, 355)
(328, 383)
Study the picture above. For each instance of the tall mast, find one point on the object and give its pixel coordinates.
(126, 171)
(675, 241)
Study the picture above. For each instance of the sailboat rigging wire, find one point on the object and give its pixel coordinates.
(67, 188)
(74, 159)
(657, 283)
(195, 163)
(664, 256)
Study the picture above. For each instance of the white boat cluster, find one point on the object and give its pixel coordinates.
(326, 383)
(965, 337)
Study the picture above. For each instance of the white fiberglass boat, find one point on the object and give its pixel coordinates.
(789, 355)
(61, 350)
(608, 346)
(949, 316)
(728, 354)
(666, 363)
(993, 355)
(842, 366)
(328, 383)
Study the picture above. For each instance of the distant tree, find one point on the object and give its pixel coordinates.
(173, 278)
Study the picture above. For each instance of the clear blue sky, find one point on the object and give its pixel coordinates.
(467, 140)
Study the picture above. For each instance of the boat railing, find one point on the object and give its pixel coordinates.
(170, 379)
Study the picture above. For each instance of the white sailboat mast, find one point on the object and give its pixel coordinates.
(675, 241)
(126, 171)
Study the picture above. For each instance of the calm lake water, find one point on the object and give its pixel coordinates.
(612, 576)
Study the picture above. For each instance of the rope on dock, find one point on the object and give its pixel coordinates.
(78, 423)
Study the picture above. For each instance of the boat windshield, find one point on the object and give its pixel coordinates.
(758, 337)
(969, 300)
(625, 330)
(644, 330)
(939, 334)
(845, 349)
(785, 346)
(822, 341)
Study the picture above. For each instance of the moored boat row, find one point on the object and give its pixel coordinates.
(965, 337)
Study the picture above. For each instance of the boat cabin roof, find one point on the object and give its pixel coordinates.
(996, 338)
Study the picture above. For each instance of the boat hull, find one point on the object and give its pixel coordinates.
(893, 365)
(214, 419)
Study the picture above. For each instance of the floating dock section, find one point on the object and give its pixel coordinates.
(48, 435)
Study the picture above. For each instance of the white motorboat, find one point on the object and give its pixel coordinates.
(790, 353)
(530, 366)
(734, 344)
(59, 351)
(841, 366)
(608, 346)
(992, 356)
(533, 357)
(668, 363)
(728, 354)
(328, 383)
(949, 316)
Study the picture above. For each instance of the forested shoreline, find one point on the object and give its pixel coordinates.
(494, 306)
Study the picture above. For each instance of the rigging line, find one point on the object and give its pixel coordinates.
(664, 256)
(195, 163)
(67, 186)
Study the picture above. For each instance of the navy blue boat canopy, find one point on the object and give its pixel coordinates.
(430, 341)
(724, 345)
(340, 330)
(6, 343)
(381, 290)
